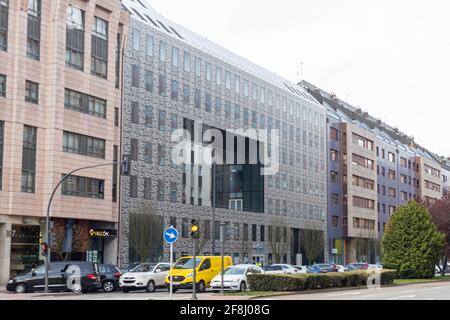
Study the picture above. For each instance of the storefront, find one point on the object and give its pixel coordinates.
(25, 248)
(101, 241)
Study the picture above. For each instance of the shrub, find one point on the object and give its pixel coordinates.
(411, 243)
(301, 282)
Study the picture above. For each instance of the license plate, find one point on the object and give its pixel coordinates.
(176, 283)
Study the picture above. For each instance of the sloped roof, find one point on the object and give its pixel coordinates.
(142, 11)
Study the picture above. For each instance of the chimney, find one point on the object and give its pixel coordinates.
(365, 114)
(333, 96)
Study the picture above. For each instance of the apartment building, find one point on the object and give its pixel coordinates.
(60, 105)
(176, 79)
(402, 171)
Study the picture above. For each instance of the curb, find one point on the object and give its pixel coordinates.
(340, 289)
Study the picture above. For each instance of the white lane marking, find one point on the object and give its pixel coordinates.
(343, 294)
(403, 297)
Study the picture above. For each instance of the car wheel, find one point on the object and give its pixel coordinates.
(201, 286)
(108, 286)
(243, 287)
(77, 288)
(21, 288)
(150, 286)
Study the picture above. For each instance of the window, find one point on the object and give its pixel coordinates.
(208, 102)
(360, 223)
(148, 113)
(134, 149)
(186, 93)
(2, 139)
(237, 84)
(198, 66)
(391, 175)
(83, 145)
(432, 186)
(254, 232)
(147, 189)
(227, 80)
(135, 76)
(197, 99)
(3, 25)
(29, 159)
(33, 29)
(77, 186)
(334, 176)
(162, 85)
(136, 39)
(75, 38)
(162, 51)
(175, 53)
(148, 46)
(161, 155)
(403, 162)
(218, 76)
(335, 198)
(392, 193)
(31, 92)
(391, 157)
(335, 221)
(134, 112)
(161, 190)
(403, 179)
(2, 85)
(245, 232)
(333, 155)
(363, 182)
(363, 203)
(99, 48)
(208, 71)
(187, 61)
(334, 134)
(149, 80)
(262, 234)
(362, 142)
(218, 106)
(173, 192)
(404, 196)
(174, 90)
(174, 122)
(432, 171)
(363, 162)
(162, 120)
(246, 88)
(147, 152)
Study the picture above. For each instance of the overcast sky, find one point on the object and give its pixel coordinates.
(391, 58)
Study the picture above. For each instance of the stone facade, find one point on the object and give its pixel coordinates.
(297, 193)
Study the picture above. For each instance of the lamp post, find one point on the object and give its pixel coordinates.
(222, 240)
(47, 221)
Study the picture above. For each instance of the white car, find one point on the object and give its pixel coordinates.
(301, 269)
(374, 266)
(235, 278)
(280, 269)
(146, 276)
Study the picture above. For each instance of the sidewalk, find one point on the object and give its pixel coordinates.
(2, 289)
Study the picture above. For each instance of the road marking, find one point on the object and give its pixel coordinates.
(344, 294)
(403, 297)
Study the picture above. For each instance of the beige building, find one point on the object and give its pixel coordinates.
(429, 177)
(360, 193)
(60, 102)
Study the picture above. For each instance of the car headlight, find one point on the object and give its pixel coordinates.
(10, 281)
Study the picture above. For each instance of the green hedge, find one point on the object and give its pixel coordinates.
(301, 282)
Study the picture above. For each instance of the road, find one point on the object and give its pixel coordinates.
(424, 291)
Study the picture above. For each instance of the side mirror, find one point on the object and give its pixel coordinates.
(158, 271)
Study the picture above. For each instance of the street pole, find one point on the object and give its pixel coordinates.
(47, 221)
(194, 276)
(222, 239)
(214, 208)
(171, 273)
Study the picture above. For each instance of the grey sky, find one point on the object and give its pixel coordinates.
(391, 58)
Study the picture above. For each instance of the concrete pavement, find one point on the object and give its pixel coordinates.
(424, 291)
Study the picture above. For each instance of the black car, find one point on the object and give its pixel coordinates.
(110, 276)
(77, 276)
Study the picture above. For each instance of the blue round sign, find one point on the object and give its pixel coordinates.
(171, 235)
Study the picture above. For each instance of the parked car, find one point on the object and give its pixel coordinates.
(110, 276)
(145, 276)
(77, 276)
(374, 266)
(360, 265)
(313, 269)
(350, 268)
(301, 269)
(287, 268)
(325, 268)
(235, 278)
(206, 268)
(340, 268)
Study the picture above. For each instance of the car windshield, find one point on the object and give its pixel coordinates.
(234, 271)
(143, 268)
(187, 263)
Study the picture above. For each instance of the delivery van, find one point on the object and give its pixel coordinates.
(207, 267)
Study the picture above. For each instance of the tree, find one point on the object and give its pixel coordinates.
(279, 238)
(412, 243)
(440, 214)
(146, 233)
(312, 242)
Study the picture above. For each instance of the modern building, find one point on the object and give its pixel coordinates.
(60, 102)
(176, 79)
(373, 166)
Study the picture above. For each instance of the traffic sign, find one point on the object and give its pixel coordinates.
(171, 235)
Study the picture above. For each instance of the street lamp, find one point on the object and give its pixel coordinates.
(222, 240)
(124, 162)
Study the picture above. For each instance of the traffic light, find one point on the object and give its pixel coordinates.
(126, 166)
(195, 230)
(44, 248)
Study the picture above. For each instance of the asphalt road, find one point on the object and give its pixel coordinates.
(424, 291)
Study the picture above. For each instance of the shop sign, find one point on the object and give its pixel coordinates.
(102, 233)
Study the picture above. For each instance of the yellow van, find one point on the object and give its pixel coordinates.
(207, 267)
